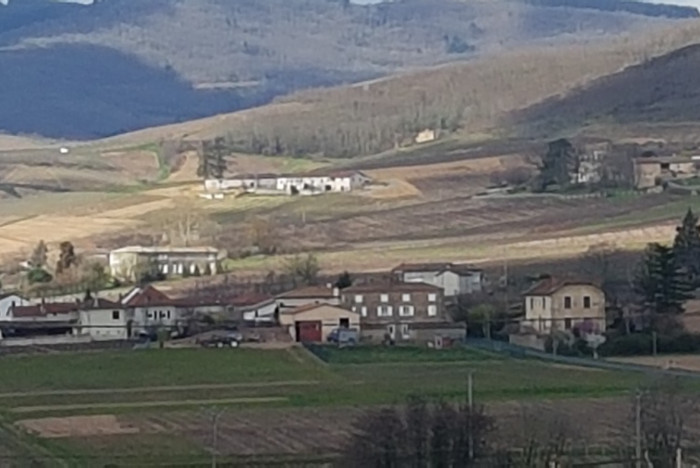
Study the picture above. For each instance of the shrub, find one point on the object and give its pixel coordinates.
(39, 275)
(642, 344)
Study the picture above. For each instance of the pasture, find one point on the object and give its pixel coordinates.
(157, 405)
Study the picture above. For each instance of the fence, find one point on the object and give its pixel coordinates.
(522, 352)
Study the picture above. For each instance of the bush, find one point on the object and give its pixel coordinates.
(39, 275)
(642, 344)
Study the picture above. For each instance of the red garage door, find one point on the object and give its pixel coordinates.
(309, 332)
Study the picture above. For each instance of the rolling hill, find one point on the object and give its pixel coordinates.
(661, 90)
(190, 58)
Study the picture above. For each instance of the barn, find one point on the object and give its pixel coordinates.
(314, 322)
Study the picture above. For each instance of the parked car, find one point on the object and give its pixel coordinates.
(344, 336)
(229, 340)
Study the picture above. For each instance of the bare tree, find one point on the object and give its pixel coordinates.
(665, 411)
(302, 269)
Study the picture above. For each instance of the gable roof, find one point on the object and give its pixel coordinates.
(98, 303)
(145, 297)
(7, 295)
(393, 287)
(460, 269)
(309, 307)
(550, 285)
(42, 310)
(310, 292)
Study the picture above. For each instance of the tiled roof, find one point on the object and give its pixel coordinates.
(250, 299)
(311, 292)
(99, 304)
(308, 307)
(147, 296)
(550, 285)
(166, 250)
(42, 310)
(392, 287)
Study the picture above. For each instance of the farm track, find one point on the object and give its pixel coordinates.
(173, 388)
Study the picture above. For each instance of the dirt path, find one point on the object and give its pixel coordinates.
(146, 404)
(173, 388)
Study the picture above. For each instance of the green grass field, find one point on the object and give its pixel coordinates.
(164, 384)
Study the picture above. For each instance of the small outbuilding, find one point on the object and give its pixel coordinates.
(314, 322)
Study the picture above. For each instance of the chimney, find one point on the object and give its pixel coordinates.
(336, 292)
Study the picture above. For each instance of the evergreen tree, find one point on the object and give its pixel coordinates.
(686, 246)
(343, 281)
(661, 284)
(559, 164)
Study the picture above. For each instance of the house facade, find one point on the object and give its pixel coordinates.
(564, 305)
(652, 171)
(454, 280)
(313, 323)
(409, 311)
(103, 320)
(151, 311)
(127, 263)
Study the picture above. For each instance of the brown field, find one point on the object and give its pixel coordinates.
(679, 361)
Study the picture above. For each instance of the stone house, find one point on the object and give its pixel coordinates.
(127, 263)
(453, 279)
(653, 171)
(562, 304)
(313, 323)
(407, 311)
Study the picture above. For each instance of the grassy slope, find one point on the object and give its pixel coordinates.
(375, 376)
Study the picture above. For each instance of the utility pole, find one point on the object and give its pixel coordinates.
(638, 430)
(470, 401)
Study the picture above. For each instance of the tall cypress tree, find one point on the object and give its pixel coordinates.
(661, 283)
(686, 247)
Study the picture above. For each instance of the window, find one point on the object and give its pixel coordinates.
(149, 314)
(344, 323)
(432, 297)
(406, 297)
(405, 331)
(406, 311)
(586, 302)
(384, 311)
(567, 302)
(358, 299)
(354, 309)
(115, 315)
(384, 297)
(532, 303)
(167, 314)
(432, 310)
(363, 312)
(567, 323)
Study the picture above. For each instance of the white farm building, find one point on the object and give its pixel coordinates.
(294, 184)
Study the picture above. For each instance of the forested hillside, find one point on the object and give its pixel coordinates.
(664, 89)
(251, 50)
(472, 98)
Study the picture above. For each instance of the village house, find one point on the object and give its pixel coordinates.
(308, 295)
(103, 320)
(151, 311)
(653, 171)
(454, 280)
(313, 323)
(128, 263)
(292, 184)
(43, 319)
(562, 304)
(409, 311)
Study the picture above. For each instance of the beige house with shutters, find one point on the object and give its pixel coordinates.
(560, 304)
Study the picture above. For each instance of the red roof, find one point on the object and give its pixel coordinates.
(250, 299)
(550, 285)
(147, 296)
(311, 292)
(393, 287)
(308, 307)
(42, 310)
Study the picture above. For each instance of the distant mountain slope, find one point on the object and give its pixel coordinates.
(664, 89)
(256, 49)
(628, 6)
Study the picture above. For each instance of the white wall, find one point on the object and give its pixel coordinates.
(101, 324)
